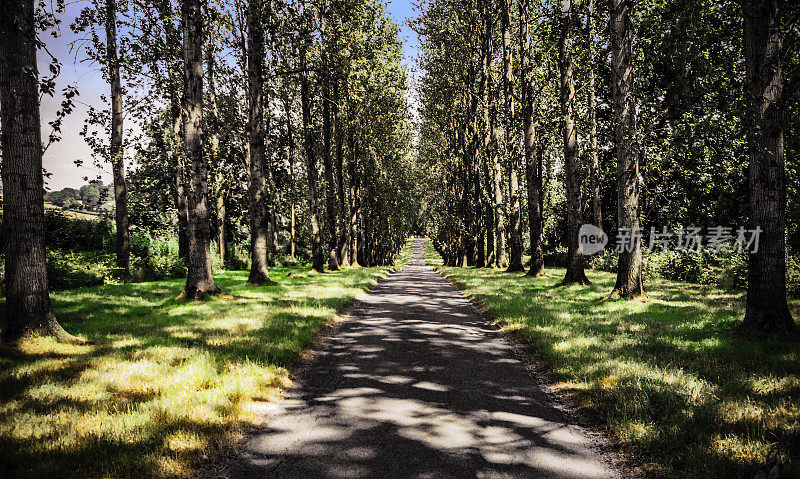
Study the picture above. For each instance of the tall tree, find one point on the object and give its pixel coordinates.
(764, 24)
(629, 283)
(594, 167)
(515, 212)
(116, 150)
(311, 159)
(497, 178)
(338, 126)
(259, 194)
(28, 310)
(575, 272)
(485, 86)
(290, 158)
(532, 145)
(355, 197)
(199, 280)
(214, 125)
(332, 207)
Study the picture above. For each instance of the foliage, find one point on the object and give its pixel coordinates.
(154, 258)
(65, 232)
(727, 270)
(74, 269)
(88, 197)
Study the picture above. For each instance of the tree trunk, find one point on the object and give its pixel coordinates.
(594, 172)
(259, 195)
(222, 224)
(533, 149)
(361, 245)
(575, 272)
(292, 192)
(28, 310)
(199, 281)
(175, 81)
(330, 189)
(214, 126)
(342, 201)
(514, 216)
(116, 148)
(486, 56)
(311, 160)
(767, 310)
(499, 220)
(354, 193)
(629, 270)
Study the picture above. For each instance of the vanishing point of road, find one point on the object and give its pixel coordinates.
(415, 382)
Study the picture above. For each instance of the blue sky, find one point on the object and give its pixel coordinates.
(401, 11)
(59, 159)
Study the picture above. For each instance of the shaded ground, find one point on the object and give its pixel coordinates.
(416, 383)
(680, 391)
(165, 383)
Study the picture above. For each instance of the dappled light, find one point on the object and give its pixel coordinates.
(418, 384)
(667, 374)
(164, 382)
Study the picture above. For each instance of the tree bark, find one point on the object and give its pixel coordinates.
(533, 149)
(594, 172)
(219, 179)
(354, 193)
(575, 272)
(173, 59)
(311, 160)
(199, 281)
(330, 187)
(767, 310)
(259, 194)
(629, 283)
(342, 201)
(292, 192)
(486, 55)
(497, 178)
(28, 309)
(222, 222)
(116, 148)
(515, 211)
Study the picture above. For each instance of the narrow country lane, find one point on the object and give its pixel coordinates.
(416, 383)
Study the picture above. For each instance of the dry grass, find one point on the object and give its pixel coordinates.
(685, 396)
(166, 383)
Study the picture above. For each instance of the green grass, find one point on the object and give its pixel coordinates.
(685, 396)
(166, 383)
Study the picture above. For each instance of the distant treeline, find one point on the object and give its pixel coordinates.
(93, 196)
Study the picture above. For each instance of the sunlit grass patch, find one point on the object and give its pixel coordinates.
(684, 395)
(165, 383)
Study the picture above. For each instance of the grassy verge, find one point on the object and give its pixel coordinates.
(167, 383)
(685, 396)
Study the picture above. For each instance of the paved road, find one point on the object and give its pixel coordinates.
(416, 383)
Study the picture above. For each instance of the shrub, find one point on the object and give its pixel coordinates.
(154, 258)
(727, 269)
(239, 256)
(63, 232)
(556, 258)
(286, 260)
(74, 269)
(605, 262)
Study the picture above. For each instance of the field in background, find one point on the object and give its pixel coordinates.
(685, 396)
(166, 383)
